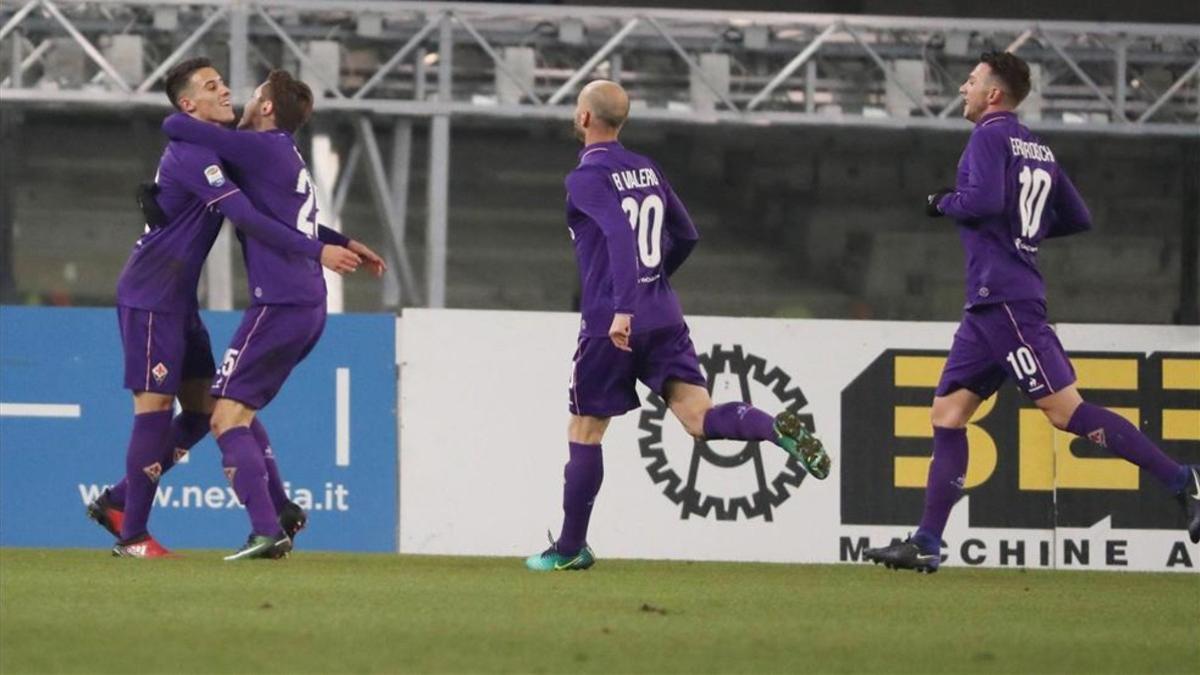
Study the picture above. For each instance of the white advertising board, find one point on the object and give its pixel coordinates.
(483, 442)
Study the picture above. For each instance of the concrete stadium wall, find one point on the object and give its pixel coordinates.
(800, 222)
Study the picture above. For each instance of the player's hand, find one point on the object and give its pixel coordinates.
(371, 258)
(931, 202)
(339, 259)
(152, 213)
(622, 326)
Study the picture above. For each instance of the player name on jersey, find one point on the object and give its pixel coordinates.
(1029, 150)
(632, 179)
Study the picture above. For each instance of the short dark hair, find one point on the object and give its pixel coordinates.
(1012, 72)
(293, 100)
(179, 76)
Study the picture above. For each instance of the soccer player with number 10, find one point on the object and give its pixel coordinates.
(1011, 194)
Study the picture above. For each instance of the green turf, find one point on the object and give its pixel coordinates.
(82, 611)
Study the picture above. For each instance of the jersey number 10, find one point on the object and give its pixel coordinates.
(647, 220)
(1035, 187)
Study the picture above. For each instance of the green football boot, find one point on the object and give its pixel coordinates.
(259, 547)
(551, 560)
(799, 442)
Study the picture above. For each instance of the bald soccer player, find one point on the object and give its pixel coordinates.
(1010, 195)
(631, 232)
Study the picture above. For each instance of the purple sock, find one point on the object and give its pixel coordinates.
(1105, 427)
(187, 428)
(944, 485)
(148, 449)
(581, 481)
(739, 422)
(279, 496)
(244, 467)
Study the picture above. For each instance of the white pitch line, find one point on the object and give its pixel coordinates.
(40, 410)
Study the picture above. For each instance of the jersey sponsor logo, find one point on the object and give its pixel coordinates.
(1021, 245)
(212, 174)
(159, 371)
(753, 480)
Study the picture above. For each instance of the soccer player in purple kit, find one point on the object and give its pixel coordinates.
(1010, 194)
(167, 349)
(630, 233)
(287, 314)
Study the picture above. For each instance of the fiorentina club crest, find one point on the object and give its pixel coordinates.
(229, 473)
(727, 480)
(1097, 437)
(159, 372)
(180, 453)
(153, 472)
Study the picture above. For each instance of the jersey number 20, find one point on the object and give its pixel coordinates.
(647, 220)
(1035, 187)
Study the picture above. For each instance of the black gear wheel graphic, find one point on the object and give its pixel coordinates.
(768, 494)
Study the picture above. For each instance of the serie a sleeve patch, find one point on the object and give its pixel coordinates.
(212, 173)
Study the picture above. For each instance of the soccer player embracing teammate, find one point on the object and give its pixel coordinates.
(168, 354)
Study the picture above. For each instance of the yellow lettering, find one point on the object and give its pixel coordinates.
(913, 422)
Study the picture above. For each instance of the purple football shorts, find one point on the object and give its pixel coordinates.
(604, 378)
(269, 343)
(163, 349)
(1006, 340)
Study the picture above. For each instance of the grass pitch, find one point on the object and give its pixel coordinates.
(82, 611)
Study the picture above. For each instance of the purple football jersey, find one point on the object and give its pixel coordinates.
(163, 270)
(1010, 194)
(272, 174)
(624, 220)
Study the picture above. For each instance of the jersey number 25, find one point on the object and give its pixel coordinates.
(306, 220)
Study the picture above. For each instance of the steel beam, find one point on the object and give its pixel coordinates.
(401, 164)
(383, 205)
(438, 181)
(413, 42)
(590, 64)
(1195, 69)
(297, 51)
(799, 60)
(1084, 77)
(182, 49)
(499, 62)
(88, 48)
(918, 99)
(18, 17)
(692, 65)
